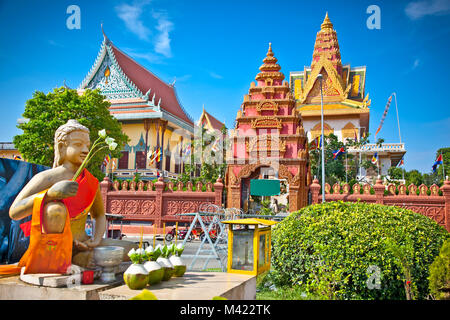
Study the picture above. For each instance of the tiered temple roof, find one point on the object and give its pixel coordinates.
(343, 86)
(209, 121)
(134, 92)
(269, 133)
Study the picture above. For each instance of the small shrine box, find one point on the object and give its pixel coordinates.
(249, 245)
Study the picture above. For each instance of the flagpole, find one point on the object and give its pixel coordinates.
(346, 181)
(398, 121)
(443, 170)
(320, 77)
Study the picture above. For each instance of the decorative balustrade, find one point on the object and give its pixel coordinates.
(433, 202)
(374, 147)
(158, 202)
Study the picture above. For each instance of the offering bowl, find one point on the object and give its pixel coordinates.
(108, 257)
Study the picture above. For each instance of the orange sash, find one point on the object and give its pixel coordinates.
(47, 253)
(52, 253)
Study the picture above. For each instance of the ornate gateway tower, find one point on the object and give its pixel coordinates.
(268, 139)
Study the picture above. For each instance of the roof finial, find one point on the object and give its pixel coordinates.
(326, 24)
(104, 35)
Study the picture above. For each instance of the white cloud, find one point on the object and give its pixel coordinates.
(134, 16)
(215, 75)
(416, 63)
(164, 26)
(131, 16)
(418, 9)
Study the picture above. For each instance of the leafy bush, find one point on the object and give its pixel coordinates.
(327, 250)
(440, 273)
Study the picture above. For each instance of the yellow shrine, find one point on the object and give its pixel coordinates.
(249, 245)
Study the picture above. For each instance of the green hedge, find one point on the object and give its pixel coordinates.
(327, 249)
(440, 273)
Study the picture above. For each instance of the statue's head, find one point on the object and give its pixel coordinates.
(70, 138)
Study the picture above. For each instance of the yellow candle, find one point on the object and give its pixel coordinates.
(142, 234)
(164, 233)
(154, 235)
(176, 232)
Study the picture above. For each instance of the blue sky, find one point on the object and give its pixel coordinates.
(214, 50)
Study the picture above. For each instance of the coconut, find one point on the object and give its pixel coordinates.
(178, 265)
(155, 272)
(167, 266)
(136, 276)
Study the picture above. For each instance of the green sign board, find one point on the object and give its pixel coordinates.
(264, 187)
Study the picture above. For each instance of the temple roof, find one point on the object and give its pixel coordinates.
(120, 77)
(270, 68)
(212, 122)
(341, 83)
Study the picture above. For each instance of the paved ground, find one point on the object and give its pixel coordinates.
(190, 249)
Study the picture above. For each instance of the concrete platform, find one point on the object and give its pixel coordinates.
(193, 286)
(12, 288)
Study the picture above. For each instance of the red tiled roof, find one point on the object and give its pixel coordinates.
(214, 122)
(145, 80)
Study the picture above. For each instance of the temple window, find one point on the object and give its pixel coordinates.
(123, 161)
(349, 131)
(167, 167)
(140, 160)
(317, 130)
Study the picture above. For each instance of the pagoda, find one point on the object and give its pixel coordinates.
(345, 102)
(346, 107)
(268, 139)
(148, 109)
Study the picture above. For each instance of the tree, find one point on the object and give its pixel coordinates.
(335, 169)
(46, 112)
(210, 167)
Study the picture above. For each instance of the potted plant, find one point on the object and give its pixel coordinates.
(178, 264)
(136, 276)
(164, 262)
(155, 271)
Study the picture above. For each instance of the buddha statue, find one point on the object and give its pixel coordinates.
(62, 197)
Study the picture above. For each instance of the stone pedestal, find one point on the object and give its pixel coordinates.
(193, 286)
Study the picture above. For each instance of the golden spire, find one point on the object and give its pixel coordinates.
(326, 24)
(270, 66)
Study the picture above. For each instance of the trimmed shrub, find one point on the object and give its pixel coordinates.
(334, 251)
(440, 273)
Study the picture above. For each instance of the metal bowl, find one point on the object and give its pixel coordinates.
(108, 256)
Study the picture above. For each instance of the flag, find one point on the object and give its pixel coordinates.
(187, 150)
(106, 160)
(313, 144)
(158, 155)
(17, 158)
(375, 158)
(356, 137)
(319, 142)
(336, 153)
(113, 165)
(215, 146)
(437, 162)
(401, 163)
(384, 115)
(152, 156)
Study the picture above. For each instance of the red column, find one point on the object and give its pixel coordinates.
(218, 190)
(379, 191)
(315, 188)
(105, 186)
(446, 193)
(159, 187)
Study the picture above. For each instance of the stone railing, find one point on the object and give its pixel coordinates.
(158, 202)
(374, 147)
(423, 200)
